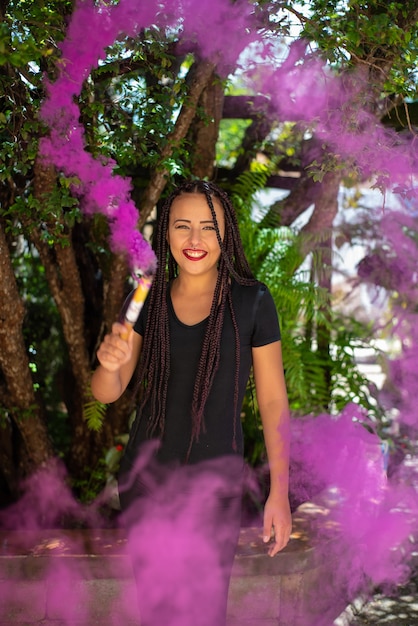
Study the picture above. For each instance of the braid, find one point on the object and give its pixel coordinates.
(237, 363)
(154, 366)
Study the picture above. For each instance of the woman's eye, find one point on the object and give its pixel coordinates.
(209, 228)
(183, 226)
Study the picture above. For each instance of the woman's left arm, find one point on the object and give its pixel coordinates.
(274, 410)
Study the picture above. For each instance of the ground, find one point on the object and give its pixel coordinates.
(397, 609)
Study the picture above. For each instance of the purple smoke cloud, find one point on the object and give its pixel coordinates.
(304, 90)
(100, 189)
(339, 462)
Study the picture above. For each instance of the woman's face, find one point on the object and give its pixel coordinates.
(192, 234)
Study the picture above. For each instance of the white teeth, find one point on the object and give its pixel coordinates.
(195, 254)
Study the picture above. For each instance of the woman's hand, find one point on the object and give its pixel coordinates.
(118, 358)
(115, 351)
(277, 523)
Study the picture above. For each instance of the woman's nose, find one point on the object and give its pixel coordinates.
(194, 237)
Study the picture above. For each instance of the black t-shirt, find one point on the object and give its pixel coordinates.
(258, 325)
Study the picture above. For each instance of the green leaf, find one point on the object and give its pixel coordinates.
(94, 413)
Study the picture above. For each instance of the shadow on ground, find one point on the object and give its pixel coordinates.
(397, 609)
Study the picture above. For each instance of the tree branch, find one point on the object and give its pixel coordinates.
(200, 75)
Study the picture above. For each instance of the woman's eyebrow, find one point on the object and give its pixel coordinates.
(182, 219)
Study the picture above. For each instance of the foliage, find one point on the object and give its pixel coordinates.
(94, 482)
(229, 146)
(367, 30)
(94, 414)
(103, 476)
(128, 113)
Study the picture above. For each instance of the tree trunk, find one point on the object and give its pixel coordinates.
(321, 225)
(19, 403)
(205, 131)
(114, 292)
(323, 331)
(322, 219)
(62, 273)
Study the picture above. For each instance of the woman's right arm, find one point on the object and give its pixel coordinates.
(117, 359)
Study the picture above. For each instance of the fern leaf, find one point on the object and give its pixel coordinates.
(94, 413)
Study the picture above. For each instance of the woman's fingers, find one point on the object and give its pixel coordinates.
(115, 351)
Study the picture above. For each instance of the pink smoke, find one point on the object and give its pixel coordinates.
(303, 89)
(338, 462)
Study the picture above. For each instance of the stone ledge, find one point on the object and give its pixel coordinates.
(23, 554)
(263, 591)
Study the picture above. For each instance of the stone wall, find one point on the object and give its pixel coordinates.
(287, 590)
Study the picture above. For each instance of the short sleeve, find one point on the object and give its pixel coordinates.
(266, 327)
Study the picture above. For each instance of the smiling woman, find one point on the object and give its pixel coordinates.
(193, 236)
(205, 323)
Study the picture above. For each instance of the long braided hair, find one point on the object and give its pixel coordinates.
(154, 364)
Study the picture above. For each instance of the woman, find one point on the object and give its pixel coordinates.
(197, 337)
